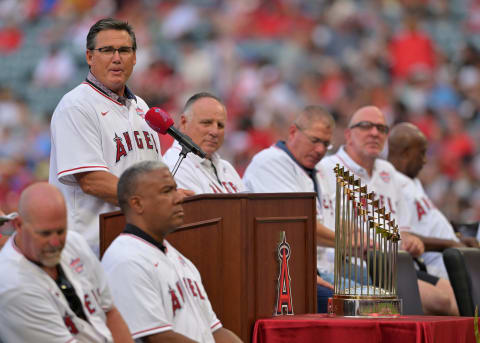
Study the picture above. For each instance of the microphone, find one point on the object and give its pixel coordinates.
(160, 121)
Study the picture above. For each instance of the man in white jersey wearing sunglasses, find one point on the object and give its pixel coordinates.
(365, 138)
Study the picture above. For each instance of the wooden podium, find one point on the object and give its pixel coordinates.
(233, 239)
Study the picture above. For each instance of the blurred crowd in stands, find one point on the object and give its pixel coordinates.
(417, 60)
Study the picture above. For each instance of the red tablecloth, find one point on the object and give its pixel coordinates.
(403, 329)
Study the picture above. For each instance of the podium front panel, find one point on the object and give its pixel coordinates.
(267, 265)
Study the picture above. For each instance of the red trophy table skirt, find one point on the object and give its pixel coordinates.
(403, 329)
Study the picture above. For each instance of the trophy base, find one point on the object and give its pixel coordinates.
(367, 308)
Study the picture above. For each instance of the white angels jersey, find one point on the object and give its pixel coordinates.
(272, 170)
(156, 291)
(384, 182)
(34, 309)
(426, 220)
(92, 132)
(202, 175)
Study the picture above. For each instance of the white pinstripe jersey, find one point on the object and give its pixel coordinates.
(157, 291)
(33, 308)
(90, 132)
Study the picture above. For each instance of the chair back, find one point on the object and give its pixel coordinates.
(463, 267)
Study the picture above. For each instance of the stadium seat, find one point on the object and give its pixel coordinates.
(463, 267)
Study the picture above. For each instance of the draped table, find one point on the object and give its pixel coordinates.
(324, 328)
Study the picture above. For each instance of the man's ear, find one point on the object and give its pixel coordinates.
(136, 204)
(183, 122)
(18, 224)
(292, 130)
(89, 57)
(347, 134)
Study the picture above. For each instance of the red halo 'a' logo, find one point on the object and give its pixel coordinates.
(284, 291)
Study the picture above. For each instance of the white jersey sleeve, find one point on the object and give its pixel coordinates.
(83, 152)
(272, 170)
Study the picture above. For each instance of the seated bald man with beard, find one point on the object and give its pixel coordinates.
(52, 287)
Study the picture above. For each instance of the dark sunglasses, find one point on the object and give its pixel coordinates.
(367, 125)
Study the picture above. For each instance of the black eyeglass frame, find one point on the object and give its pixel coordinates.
(107, 50)
(368, 125)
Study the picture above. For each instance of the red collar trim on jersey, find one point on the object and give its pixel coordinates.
(101, 93)
(128, 95)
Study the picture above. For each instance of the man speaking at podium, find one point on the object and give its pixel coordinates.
(98, 130)
(158, 290)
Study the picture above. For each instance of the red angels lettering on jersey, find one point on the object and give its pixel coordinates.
(128, 141)
(179, 287)
(175, 302)
(381, 202)
(120, 148)
(140, 138)
(199, 291)
(67, 319)
(148, 141)
(214, 188)
(423, 205)
(88, 304)
(230, 187)
(191, 286)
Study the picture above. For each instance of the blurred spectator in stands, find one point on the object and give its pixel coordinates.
(55, 69)
(411, 48)
(367, 45)
(11, 38)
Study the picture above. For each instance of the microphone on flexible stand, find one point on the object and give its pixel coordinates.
(160, 121)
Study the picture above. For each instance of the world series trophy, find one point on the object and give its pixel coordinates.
(366, 249)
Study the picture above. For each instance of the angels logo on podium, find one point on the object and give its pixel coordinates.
(284, 291)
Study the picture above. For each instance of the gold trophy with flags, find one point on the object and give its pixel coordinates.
(366, 249)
